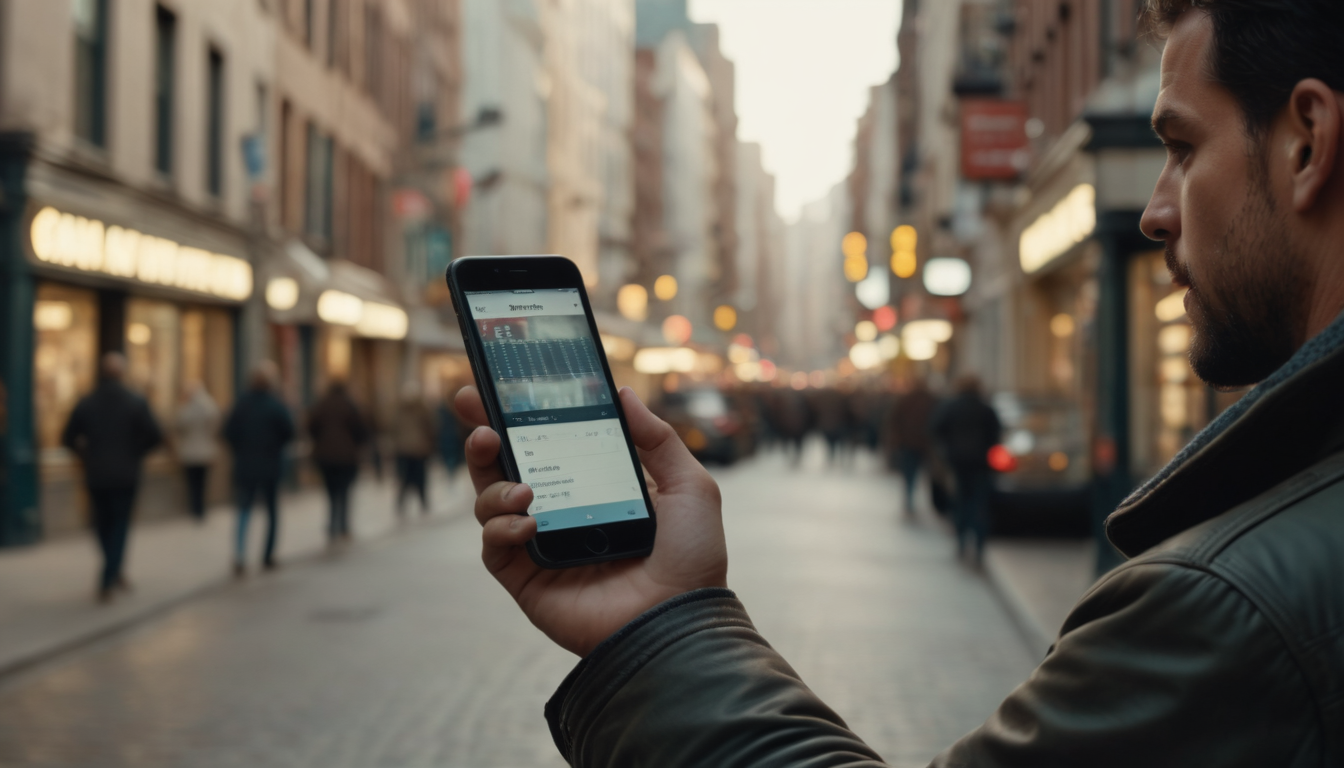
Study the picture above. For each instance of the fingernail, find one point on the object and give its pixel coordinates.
(509, 493)
(515, 523)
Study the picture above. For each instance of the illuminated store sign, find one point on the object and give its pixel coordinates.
(368, 318)
(1064, 226)
(88, 245)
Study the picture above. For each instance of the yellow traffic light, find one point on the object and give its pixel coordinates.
(854, 245)
(904, 238)
(856, 268)
(665, 288)
(725, 318)
(903, 263)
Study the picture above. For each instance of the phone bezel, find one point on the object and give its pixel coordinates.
(566, 547)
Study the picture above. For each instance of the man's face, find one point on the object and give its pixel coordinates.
(1220, 213)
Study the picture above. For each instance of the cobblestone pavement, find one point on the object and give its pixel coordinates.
(402, 651)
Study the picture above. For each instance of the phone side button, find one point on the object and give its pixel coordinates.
(597, 541)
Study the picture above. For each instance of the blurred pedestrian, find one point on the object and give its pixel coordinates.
(339, 434)
(111, 429)
(450, 438)
(415, 441)
(197, 428)
(908, 430)
(258, 429)
(966, 428)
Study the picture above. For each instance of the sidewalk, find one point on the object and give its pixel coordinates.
(1039, 582)
(47, 591)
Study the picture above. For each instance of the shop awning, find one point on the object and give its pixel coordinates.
(302, 287)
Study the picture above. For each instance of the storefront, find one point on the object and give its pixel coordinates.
(117, 278)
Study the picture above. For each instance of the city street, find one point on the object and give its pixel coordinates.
(401, 651)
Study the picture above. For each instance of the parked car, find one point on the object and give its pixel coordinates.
(1046, 489)
(707, 423)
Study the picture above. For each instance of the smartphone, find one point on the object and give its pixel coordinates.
(538, 361)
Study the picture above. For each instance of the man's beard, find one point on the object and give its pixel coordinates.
(1248, 308)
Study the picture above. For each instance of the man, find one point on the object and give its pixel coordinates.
(258, 429)
(966, 428)
(111, 430)
(908, 430)
(1221, 643)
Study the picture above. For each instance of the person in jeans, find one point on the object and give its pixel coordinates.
(258, 429)
(415, 438)
(111, 429)
(339, 433)
(197, 427)
(909, 432)
(965, 428)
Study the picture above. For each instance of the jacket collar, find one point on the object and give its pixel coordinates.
(1284, 425)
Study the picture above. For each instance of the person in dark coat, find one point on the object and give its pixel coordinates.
(339, 434)
(416, 435)
(111, 430)
(258, 429)
(908, 429)
(965, 428)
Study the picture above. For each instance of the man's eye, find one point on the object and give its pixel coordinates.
(1177, 150)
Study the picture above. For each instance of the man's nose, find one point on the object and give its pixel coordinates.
(1162, 218)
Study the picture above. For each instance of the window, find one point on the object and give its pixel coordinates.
(373, 50)
(91, 71)
(165, 44)
(335, 28)
(214, 120)
(317, 218)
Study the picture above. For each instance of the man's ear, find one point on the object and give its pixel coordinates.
(1314, 124)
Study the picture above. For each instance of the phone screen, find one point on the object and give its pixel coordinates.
(559, 415)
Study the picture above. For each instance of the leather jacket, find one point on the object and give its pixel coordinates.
(1221, 643)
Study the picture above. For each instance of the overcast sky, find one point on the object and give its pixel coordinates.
(803, 72)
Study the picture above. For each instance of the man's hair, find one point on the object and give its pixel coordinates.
(1263, 48)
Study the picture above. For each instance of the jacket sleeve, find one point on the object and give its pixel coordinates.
(1161, 664)
(691, 683)
(74, 429)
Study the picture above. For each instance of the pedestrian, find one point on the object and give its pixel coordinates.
(966, 428)
(111, 429)
(908, 429)
(197, 429)
(450, 439)
(339, 434)
(415, 440)
(1217, 645)
(257, 430)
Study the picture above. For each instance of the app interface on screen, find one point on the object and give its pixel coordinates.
(558, 410)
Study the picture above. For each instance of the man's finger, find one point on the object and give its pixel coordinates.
(502, 498)
(469, 407)
(502, 536)
(482, 458)
(663, 454)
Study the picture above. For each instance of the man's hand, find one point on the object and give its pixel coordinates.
(580, 607)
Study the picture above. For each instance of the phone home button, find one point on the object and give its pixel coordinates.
(597, 541)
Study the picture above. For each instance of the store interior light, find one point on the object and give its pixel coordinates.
(339, 308)
(660, 360)
(632, 301)
(889, 346)
(904, 238)
(665, 288)
(382, 321)
(1062, 325)
(884, 318)
(865, 355)
(53, 315)
(934, 330)
(282, 293)
(1172, 307)
(1174, 339)
(865, 330)
(1070, 222)
(947, 277)
(138, 334)
(920, 348)
(798, 380)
